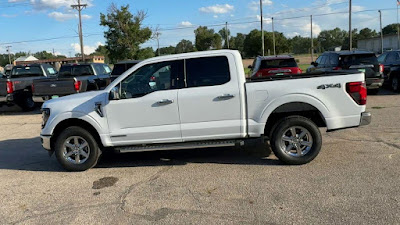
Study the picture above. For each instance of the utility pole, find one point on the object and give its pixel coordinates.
(273, 35)
(350, 33)
(157, 34)
(312, 42)
(54, 52)
(380, 22)
(262, 28)
(227, 34)
(398, 28)
(9, 53)
(80, 7)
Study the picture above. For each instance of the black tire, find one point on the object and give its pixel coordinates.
(299, 124)
(373, 91)
(395, 84)
(60, 150)
(26, 102)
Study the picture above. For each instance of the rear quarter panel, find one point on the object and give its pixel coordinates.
(335, 104)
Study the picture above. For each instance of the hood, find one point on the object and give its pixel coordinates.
(76, 102)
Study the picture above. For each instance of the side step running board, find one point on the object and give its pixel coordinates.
(179, 146)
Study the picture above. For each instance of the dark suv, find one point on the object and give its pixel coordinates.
(264, 66)
(363, 61)
(391, 72)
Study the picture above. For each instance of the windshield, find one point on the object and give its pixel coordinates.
(361, 59)
(278, 63)
(26, 71)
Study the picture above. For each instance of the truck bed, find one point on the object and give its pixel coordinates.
(54, 86)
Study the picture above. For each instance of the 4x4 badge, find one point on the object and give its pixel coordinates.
(325, 86)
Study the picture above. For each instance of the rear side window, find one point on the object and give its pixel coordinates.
(65, 71)
(26, 71)
(207, 71)
(360, 59)
(278, 63)
(392, 57)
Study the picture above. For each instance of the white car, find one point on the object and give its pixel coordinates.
(199, 100)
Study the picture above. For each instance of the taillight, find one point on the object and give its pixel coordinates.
(358, 91)
(381, 68)
(299, 71)
(337, 68)
(33, 88)
(10, 87)
(77, 85)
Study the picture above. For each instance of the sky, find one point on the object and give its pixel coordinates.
(52, 25)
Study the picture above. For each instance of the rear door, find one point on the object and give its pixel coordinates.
(209, 105)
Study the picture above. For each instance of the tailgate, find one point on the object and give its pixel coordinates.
(3, 87)
(48, 87)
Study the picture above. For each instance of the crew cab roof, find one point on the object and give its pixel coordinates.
(128, 62)
(353, 52)
(275, 57)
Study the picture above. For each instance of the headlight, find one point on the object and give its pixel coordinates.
(45, 116)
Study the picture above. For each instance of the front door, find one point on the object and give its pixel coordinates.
(147, 111)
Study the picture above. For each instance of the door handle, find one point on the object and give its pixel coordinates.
(165, 101)
(225, 96)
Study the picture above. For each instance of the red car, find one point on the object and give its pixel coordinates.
(264, 66)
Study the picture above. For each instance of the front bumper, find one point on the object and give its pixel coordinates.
(46, 142)
(365, 118)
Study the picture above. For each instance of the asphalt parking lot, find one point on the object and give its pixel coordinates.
(354, 180)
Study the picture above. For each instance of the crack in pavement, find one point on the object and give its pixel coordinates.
(63, 210)
(372, 141)
(125, 194)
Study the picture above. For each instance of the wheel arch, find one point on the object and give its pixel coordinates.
(75, 122)
(295, 108)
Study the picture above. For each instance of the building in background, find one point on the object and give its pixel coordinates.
(24, 59)
(374, 44)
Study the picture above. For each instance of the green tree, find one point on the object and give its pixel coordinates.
(224, 33)
(237, 42)
(166, 50)
(125, 33)
(366, 33)
(329, 39)
(184, 46)
(43, 55)
(390, 29)
(207, 39)
(145, 53)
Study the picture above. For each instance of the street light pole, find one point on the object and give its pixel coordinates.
(80, 7)
(262, 29)
(273, 35)
(380, 22)
(350, 32)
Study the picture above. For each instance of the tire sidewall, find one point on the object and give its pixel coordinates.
(296, 121)
(59, 148)
(395, 89)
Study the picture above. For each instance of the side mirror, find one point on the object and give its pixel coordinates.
(114, 93)
(314, 63)
(250, 67)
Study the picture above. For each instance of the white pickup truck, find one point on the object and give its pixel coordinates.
(199, 100)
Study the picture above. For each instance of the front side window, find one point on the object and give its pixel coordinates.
(207, 71)
(151, 78)
(381, 58)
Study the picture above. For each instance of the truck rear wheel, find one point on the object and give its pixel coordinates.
(76, 149)
(296, 140)
(395, 84)
(26, 102)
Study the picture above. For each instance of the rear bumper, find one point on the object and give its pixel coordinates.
(46, 142)
(8, 98)
(374, 83)
(40, 99)
(365, 118)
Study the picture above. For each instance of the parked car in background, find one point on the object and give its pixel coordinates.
(72, 79)
(16, 88)
(121, 67)
(202, 100)
(363, 61)
(264, 66)
(391, 71)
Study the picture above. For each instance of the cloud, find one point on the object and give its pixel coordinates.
(255, 5)
(266, 20)
(186, 24)
(217, 9)
(9, 15)
(56, 4)
(88, 49)
(61, 17)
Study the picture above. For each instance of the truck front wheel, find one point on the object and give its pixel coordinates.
(76, 149)
(296, 140)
